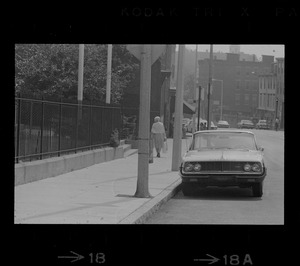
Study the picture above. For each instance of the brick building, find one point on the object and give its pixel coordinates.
(271, 93)
(240, 86)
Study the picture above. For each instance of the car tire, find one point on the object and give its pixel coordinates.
(257, 190)
(188, 189)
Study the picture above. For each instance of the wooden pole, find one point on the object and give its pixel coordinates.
(177, 139)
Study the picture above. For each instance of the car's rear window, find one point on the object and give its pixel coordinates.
(225, 140)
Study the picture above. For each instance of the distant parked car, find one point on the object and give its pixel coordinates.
(223, 124)
(246, 124)
(213, 126)
(262, 124)
(190, 124)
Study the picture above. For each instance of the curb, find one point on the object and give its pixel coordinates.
(140, 215)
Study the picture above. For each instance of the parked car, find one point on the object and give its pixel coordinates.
(262, 124)
(223, 158)
(190, 124)
(246, 124)
(213, 126)
(223, 124)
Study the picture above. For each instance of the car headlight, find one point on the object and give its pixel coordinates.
(256, 167)
(247, 167)
(188, 167)
(197, 167)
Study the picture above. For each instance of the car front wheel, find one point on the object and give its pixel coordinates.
(257, 190)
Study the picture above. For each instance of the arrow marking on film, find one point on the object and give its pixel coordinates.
(76, 257)
(212, 259)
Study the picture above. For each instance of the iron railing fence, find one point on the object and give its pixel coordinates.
(46, 128)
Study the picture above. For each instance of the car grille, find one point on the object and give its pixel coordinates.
(222, 166)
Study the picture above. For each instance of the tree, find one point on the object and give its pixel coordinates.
(189, 84)
(52, 69)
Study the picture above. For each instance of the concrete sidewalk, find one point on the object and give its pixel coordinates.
(99, 194)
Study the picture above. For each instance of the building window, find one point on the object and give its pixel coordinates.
(275, 68)
(238, 84)
(246, 99)
(247, 84)
(265, 100)
(254, 85)
(237, 99)
(260, 105)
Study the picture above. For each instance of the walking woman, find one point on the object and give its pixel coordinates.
(158, 134)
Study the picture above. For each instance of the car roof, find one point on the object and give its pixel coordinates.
(224, 131)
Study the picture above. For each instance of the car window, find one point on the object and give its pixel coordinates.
(227, 140)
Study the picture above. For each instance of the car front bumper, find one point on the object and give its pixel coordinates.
(219, 179)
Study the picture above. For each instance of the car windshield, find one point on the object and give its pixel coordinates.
(224, 140)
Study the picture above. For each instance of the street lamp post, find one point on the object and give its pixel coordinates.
(222, 88)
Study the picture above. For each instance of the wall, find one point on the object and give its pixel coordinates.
(37, 170)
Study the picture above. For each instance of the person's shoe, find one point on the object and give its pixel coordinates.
(158, 155)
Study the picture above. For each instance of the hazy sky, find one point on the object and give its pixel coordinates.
(258, 50)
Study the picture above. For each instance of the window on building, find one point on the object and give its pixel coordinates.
(254, 99)
(248, 71)
(238, 84)
(265, 100)
(247, 85)
(237, 99)
(247, 99)
(262, 84)
(260, 102)
(255, 85)
(275, 69)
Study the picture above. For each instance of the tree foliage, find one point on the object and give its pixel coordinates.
(189, 85)
(52, 70)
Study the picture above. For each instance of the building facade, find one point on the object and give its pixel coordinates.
(238, 78)
(267, 97)
(280, 90)
(271, 93)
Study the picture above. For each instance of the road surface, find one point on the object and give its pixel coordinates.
(214, 205)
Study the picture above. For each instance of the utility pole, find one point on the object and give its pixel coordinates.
(108, 79)
(209, 85)
(199, 99)
(195, 92)
(80, 79)
(142, 190)
(177, 136)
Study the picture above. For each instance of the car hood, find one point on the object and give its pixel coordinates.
(223, 155)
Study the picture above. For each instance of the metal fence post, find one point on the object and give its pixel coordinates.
(18, 127)
(90, 125)
(76, 130)
(42, 129)
(30, 124)
(59, 127)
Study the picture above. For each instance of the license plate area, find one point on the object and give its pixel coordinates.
(223, 178)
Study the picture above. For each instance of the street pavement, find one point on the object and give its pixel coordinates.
(99, 194)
